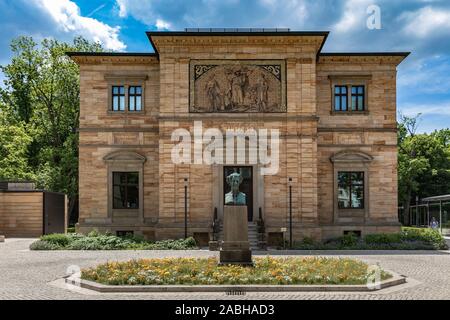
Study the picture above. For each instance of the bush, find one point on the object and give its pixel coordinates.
(383, 238)
(349, 239)
(44, 245)
(426, 235)
(59, 239)
(408, 239)
(96, 241)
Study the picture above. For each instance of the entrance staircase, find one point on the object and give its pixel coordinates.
(253, 235)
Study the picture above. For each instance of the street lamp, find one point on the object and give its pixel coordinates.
(185, 207)
(290, 212)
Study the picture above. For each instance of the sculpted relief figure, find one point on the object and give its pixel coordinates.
(235, 197)
(262, 90)
(236, 87)
(214, 96)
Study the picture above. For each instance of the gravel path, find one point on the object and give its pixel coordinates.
(29, 274)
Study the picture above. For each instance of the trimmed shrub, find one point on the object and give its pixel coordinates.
(95, 241)
(383, 238)
(426, 235)
(59, 239)
(44, 245)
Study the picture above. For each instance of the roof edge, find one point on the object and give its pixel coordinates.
(110, 54)
(365, 54)
(236, 33)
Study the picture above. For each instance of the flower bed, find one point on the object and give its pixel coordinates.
(96, 241)
(271, 271)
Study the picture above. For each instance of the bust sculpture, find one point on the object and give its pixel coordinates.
(235, 197)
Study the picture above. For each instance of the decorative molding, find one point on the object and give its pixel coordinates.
(125, 156)
(126, 76)
(240, 116)
(116, 129)
(351, 156)
(116, 59)
(350, 129)
(350, 76)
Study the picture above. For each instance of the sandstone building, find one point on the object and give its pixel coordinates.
(335, 114)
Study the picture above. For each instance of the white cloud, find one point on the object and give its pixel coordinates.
(66, 15)
(122, 8)
(354, 15)
(426, 21)
(162, 25)
(436, 109)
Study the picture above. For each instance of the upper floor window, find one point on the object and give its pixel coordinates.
(118, 98)
(126, 92)
(356, 94)
(135, 98)
(350, 190)
(358, 98)
(340, 98)
(349, 93)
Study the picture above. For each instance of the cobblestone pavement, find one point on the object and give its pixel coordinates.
(28, 274)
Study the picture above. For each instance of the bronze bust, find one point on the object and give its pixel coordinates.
(235, 197)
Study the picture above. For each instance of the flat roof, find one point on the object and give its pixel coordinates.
(437, 198)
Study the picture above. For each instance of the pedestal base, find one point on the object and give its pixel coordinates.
(240, 257)
(235, 247)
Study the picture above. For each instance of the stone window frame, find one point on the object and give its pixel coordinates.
(125, 161)
(351, 161)
(350, 80)
(126, 80)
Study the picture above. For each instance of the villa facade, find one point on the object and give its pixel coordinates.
(334, 113)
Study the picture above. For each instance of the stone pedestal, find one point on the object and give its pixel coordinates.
(235, 248)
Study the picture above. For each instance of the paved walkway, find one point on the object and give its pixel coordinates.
(28, 274)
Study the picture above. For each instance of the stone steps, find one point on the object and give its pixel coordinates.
(253, 236)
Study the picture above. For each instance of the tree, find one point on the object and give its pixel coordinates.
(40, 102)
(14, 142)
(423, 163)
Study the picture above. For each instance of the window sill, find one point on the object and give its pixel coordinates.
(121, 113)
(349, 113)
(349, 213)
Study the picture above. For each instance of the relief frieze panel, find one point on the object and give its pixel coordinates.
(237, 86)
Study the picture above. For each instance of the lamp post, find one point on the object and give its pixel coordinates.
(290, 212)
(185, 207)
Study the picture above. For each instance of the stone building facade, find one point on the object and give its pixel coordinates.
(335, 114)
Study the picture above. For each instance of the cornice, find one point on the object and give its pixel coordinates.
(393, 59)
(115, 59)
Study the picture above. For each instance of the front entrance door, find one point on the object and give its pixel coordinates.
(245, 187)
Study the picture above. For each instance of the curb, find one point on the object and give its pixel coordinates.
(86, 284)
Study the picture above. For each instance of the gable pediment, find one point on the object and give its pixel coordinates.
(125, 156)
(351, 156)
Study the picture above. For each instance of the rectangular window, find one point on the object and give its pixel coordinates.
(125, 190)
(340, 98)
(351, 190)
(135, 98)
(358, 98)
(118, 98)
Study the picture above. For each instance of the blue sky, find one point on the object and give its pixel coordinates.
(420, 26)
